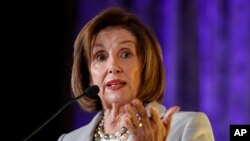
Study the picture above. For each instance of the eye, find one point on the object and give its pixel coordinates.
(100, 56)
(126, 54)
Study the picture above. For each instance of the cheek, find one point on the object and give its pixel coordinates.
(95, 76)
(97, 71)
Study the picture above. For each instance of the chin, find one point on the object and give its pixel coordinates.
(117, 99)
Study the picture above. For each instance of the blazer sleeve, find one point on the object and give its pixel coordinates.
(190, 126)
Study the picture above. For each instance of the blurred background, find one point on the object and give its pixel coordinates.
(205, 44)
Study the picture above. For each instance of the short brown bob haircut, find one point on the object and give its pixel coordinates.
(148, 50)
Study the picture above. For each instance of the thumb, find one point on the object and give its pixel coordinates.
(168, 116)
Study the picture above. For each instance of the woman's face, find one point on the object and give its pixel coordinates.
(115, 66)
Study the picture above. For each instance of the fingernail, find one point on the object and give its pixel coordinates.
(177, 108)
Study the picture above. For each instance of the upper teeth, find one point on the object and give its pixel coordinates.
(117, 83)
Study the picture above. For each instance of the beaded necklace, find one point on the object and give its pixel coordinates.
(121, 135)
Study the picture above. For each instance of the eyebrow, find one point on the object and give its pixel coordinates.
(127, 41)
(122, 42)
(98, 45)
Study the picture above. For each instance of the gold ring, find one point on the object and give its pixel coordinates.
(139, 119)
(140, 124)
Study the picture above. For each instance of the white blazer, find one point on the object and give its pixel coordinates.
(185, 126)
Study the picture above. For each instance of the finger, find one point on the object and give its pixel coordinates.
(156, 123)
(139, 108)
(168, 116)
(155, 114)
(145, 122)
(126, 122)
(132, 112)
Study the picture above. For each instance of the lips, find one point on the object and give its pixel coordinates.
(115, 84)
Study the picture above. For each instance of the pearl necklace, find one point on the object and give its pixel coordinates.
(121, 135)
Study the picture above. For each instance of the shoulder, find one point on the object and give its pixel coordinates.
(190, 126)
(186, 125)
(190, 117)
(85, 132)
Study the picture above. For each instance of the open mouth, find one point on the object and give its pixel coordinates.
(115, 84)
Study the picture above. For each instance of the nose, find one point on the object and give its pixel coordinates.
(114, 66)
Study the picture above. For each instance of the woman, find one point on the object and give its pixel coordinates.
(119, 54)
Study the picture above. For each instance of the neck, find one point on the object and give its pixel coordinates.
(121, 134)
(112, 117)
